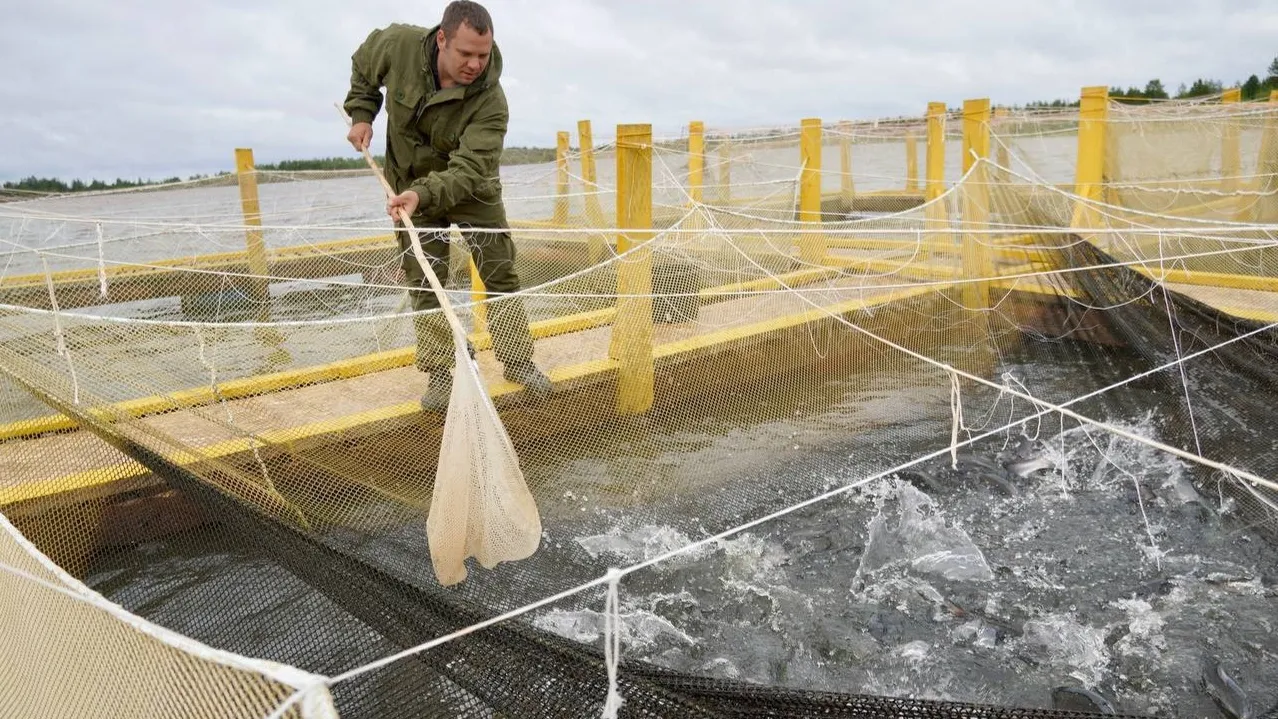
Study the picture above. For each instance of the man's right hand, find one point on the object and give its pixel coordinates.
(360, 136)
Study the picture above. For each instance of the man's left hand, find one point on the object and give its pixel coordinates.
(406, 200)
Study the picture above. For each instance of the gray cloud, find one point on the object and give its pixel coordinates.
(153, 88)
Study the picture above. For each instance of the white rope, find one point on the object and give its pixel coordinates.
(910, 215)
(537, 291)
(1175, 336)
(102, 278)
(612, 643)
(956, 409)
(1251, 490)
(71, 587)
(1140, 500)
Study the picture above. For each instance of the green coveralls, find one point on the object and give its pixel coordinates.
(445, 144)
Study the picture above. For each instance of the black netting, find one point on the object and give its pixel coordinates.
(1220, 403)
(510, 668)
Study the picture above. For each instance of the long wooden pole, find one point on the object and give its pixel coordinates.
(458, 331)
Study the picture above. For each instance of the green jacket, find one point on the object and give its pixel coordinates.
(444, 144)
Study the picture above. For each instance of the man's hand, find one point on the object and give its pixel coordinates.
(360, 136)
(406, 200)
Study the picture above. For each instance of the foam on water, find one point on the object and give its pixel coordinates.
(1104, 569)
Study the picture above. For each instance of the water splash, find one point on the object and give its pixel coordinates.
(910, 530)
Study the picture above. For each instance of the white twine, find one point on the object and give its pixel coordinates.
(102, 278)
(612, 643)
(255, 444)
(956, 409)
(199, 337)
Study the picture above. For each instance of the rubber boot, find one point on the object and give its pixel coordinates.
(533, 379)
(439, 389)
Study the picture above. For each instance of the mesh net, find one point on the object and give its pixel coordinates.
(903, 418)
(107, 660)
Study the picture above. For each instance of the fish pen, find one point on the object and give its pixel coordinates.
(966, 414)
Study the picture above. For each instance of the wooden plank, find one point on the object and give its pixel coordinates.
(1248, 304)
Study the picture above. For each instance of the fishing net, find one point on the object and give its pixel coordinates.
(789, 365)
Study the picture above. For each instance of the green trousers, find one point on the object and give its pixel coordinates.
(494, 255)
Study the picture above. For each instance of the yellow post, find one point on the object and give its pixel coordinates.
(477, 294)
(1230, 153)
(911, 163)
(696, 159)
(977, 258)
(847, 188)
(811, 244)
(936, 213)
(631, 342)
(561, 163)
(725, 171)
(1089, 169)
(477, 290)
(976, 131)
(594, 212)
(1265, 207)
(246, 175)
(935, 186)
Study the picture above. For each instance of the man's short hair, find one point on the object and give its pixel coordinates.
(465, 11)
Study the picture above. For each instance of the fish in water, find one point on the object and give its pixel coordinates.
(1225, 691)
(974, 465)
(923, 481)
(1026, 467)
(1081, 700)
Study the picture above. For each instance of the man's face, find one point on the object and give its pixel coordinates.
(465, 56)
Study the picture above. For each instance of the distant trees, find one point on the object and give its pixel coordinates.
(53, 185)
(511, 156)
(1253, 88)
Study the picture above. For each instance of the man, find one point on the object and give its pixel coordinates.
(446, 126)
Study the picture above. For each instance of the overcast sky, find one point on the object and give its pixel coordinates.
(154, 88)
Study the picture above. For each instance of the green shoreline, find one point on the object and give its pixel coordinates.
(31, 186)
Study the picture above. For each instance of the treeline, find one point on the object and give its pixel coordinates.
(509, 156)
(50, 184)
(1253, 88)
(33, 184)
